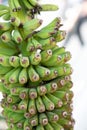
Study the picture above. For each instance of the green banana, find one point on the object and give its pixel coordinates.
(58, 50)
(15, 117)
(3, 89)
(55, 72)
(17, 5)
(5, 49)
(40, 127)
(33, 75)
(16, 90)
(10, 86)
(23, 105)
(6, 16)
(32, 107)
(57, 126)
(46, 55)
(12, 5)
(43, 120)
(20, 124)
(49, 7)
(51, 87)
(42, 71)
(23, 76)
(64, 95)
(66, 86)
(24, 61)
(49, 105)
(6, 36)
(14, 61)
(27, 5)
(36, 44)
(48, 127)
(4, 70)
(53, 117)
(30, 46)
(34, 120)
(15, 21)
(62, 113)
(24, 94)
(60, 35)
(35, 58)
(4, 60)
(13, 78)
(12, 99)
(65, 123)
(48, 43)
(40, 105)
(3, 7)
(41, 90)
(56, 60)
(17, 36)
(46, 33)
(32, 93)
(30, 26)
(5, 78)
(5, 26)
(57, 101)
(27, 125)
(33, 2)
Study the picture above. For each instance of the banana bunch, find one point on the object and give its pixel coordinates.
(34, 71)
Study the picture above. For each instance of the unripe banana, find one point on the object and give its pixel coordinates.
(30, 26)
(32, 93)
(24, 94)
(13, 78)
(53, 117)
(23, 105)
(12, 99)
(49, 127)
(56, 60)
(6, 37)
(27, 5)
(60, 35)
(4, 60)
(49, 105)
(40, 127)
(42, 71)
(27, 125)
(32, 107)
(48, 43)
(24, 61)
(43, 120)
(40, 105)
(36, 44)
(49, 7)
(14, 61)
(3, 7)
(4, 70)
(56, 126)
(57, 101)
(16, 90)
(34, 121)
(35, 58)
(17, 36)
(17, 5)
(33, 2)
(15, 117)
(4, 26)
(33, 75)
(23, 76)
(41, 90)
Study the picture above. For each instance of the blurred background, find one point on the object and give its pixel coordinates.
(74, 19)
